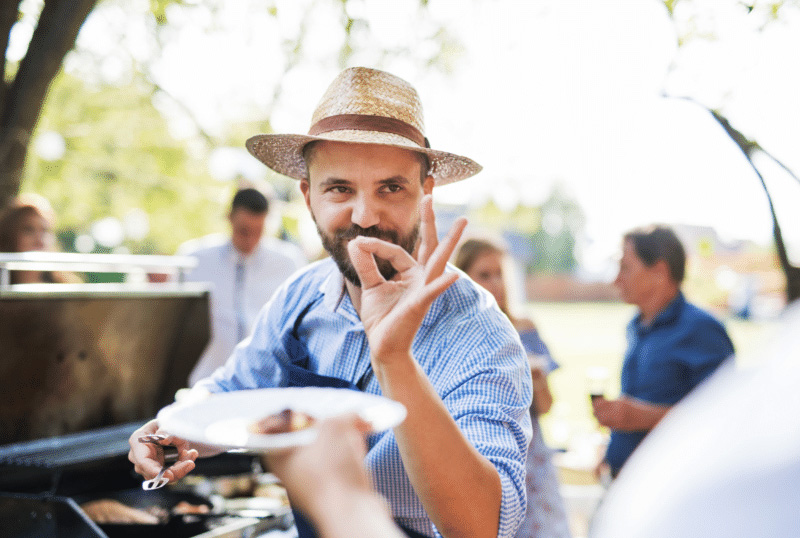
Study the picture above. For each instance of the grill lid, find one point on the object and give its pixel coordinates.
(79, 368)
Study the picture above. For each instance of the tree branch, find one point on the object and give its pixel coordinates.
(779, 163)
(748, 148)
(54, 36)
(8, 16)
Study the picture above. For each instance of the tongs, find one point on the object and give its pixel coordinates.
(170, 457)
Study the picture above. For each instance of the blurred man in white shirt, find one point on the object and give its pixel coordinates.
(245, 269)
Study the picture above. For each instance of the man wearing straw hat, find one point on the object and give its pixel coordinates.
(387, 315)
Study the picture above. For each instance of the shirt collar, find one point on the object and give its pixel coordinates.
(335, 296)
(439, 305)
(233, 255)
(668, 315)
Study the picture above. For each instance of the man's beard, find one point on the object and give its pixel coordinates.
(336, 246)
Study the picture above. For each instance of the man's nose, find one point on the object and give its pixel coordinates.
(365, 212)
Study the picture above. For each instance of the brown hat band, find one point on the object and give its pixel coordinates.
(363, 122)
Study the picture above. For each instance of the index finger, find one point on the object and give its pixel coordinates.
(186, 456)
(144, 457)
(428, 240)
(148, 459)
(361, 250)
(179, 469)
(181, 444)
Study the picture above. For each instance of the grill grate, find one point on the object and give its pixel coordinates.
(67, 450)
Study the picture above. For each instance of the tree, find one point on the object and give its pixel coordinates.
(121, 164)
(23, 90)
(554, 243)
(541, 239)
(770, 12)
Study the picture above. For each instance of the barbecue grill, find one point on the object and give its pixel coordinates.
(82, 366)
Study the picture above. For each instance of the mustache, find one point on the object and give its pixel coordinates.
(354, 230)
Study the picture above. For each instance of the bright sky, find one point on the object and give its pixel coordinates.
(546, 92)
(572, 92)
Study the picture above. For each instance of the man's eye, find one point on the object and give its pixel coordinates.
(393, 187)
(338, 189)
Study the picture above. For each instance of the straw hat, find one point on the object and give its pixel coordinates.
(363, 106)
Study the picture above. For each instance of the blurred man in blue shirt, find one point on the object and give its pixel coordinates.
(672, 345)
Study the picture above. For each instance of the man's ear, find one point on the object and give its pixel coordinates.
(662, 270)
(427, 185)
(305, 188)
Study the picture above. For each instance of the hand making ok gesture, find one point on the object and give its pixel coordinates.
(392, 310)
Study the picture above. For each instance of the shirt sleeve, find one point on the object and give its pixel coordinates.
(489, 401)
(704, 349)
(534, 344)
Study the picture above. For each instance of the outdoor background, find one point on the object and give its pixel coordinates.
(589, 118)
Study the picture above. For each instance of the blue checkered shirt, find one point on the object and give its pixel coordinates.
(469, 350)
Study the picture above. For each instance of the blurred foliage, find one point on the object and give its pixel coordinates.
(768, 9)
(121, 152)
(691, 16)
(554, 243)
(120, 157)
(542, 239)
(523, 219)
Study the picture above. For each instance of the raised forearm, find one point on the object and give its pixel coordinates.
(459, 488)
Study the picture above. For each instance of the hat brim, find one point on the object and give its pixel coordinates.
(284, 153)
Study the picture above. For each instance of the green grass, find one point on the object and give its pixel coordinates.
(585, 335)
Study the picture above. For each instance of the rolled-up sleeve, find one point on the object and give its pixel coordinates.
(489, 398)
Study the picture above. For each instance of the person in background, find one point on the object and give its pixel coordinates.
(484, 262)
(244, 269)
(26, 225)
(702, 473)
(672, 345)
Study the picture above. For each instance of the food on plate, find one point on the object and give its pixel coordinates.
(286, 421)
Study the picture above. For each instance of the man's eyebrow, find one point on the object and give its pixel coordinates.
(334, 181)
(392, 180)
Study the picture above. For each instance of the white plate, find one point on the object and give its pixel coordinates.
(222, 420)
